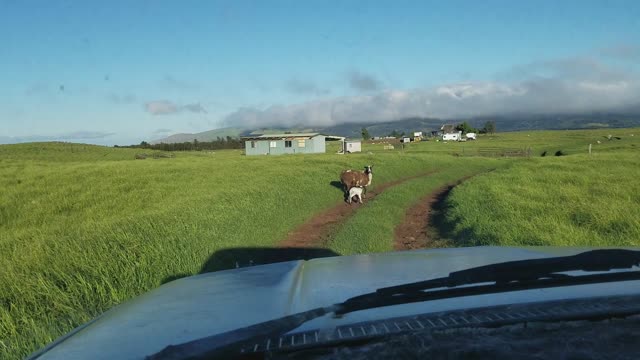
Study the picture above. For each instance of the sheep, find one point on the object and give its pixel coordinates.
(355, 194)
(350, 178)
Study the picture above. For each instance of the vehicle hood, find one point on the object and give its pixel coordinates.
(213, 303)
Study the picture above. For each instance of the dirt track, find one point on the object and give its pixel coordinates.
(317, 230)
(416, 231)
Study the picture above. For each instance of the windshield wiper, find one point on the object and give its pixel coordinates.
(506, 276)
(532, 269)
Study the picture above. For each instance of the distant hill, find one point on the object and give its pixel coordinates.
(203, 136)
(503, 123)
(385, 128)
(64, 151)
(224, 132)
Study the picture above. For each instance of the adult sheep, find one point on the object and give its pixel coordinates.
(351, 178)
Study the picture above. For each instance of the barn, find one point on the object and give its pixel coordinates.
(278, 144)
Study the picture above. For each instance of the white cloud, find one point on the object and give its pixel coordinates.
(166, 107)
(569, 85)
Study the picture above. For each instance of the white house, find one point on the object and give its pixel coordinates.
(470, 136)
(417, 134)
(452, 136)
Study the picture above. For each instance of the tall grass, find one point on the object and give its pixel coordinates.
(575, 200)
(78, 237)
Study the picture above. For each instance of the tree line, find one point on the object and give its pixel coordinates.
(195, 145)
(489, 128)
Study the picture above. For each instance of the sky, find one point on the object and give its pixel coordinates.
(119, 72)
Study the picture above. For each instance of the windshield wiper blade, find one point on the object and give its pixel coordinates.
(531, 269)
(506, 276)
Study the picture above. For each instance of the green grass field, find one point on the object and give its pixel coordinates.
(577, 200)
(568, 141)
(83, 228)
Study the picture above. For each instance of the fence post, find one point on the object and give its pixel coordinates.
(589, 149)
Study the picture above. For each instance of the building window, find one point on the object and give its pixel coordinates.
(287, 143)
(253, 144)
(273, 144)
(301, 143)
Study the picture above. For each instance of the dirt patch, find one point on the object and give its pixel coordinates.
(317, 230)
(417, 230)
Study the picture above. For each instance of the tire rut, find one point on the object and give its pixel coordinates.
(417, 230)
(317, 231)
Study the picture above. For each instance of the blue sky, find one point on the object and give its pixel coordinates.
(118, 72)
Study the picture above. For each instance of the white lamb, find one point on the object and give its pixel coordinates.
(355, 194)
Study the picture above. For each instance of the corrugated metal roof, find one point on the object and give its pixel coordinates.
(281, 136)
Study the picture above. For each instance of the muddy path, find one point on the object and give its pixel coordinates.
(317, 231)
(419, 228)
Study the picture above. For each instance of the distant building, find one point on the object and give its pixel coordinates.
(452, 136)
(352, 146)
(417, 134)
(447, 129)
(449, 133)
(278, 144)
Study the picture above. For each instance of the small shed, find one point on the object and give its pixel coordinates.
(352, 146)
(405, 140)
(277, 144)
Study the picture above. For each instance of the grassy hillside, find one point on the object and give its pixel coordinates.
(201, 136)
(83, 228)
(63, 152)
(569, 201)
(78, 237)
(567, 141)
